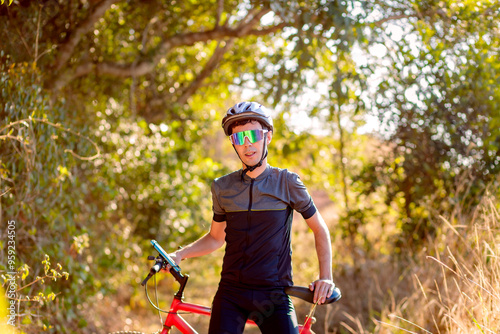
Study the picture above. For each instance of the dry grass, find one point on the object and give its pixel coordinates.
(457, 287)
(453, 286)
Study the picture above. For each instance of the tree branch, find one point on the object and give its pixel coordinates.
(243, 28)
(115, 69)
(248, 22)
(220, 9)
(188, 39)
(250, 15)
(207, 70)
(392, 18)
(267, 31)
(66, 49)
(218, 33)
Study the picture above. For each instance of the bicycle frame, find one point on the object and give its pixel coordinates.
(174, 319)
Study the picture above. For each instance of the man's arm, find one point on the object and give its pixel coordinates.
(323, 287)
(208, 243)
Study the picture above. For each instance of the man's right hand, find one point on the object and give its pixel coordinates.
(177, 259)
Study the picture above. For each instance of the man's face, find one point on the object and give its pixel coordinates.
(250, 153)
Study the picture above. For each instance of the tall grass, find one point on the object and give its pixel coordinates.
(456, 280)
(451, 286)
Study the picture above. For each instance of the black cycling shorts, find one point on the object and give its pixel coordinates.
(271, 309)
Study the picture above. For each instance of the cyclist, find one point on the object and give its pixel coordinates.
(253, 214)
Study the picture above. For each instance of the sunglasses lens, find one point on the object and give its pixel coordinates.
(253, 136)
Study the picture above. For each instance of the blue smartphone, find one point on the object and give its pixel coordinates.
(165, 256)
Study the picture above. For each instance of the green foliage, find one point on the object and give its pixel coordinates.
(44, 296)
(156, 174)
(92, 204)
(437, 106)
(38, 169)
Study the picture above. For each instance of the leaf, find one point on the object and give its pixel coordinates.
(25, 272)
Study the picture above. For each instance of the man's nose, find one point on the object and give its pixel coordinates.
(247, 142)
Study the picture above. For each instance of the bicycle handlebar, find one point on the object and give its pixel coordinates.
(161, 262)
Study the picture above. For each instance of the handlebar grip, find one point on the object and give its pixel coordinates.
(305, 294)
(154, 269)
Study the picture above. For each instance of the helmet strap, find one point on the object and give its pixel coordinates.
(252, 168)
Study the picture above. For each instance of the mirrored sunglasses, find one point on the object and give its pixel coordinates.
(253, 136)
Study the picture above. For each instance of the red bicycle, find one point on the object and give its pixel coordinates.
(174, 319)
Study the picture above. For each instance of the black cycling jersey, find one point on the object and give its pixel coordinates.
(258, 213)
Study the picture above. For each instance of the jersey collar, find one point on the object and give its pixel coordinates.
(262, 175)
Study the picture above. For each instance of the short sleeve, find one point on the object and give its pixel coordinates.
(219, 213)
(300, 199)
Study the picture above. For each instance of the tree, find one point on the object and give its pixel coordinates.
(438, 104)
(163, 53)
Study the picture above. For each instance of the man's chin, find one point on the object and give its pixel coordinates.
(251, 162)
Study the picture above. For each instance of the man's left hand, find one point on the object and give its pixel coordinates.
(322, 288)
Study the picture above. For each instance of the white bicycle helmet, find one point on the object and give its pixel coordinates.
(247, 110)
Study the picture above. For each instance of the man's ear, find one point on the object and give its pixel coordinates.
(269, 136)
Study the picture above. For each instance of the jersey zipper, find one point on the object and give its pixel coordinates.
(247, 241)
(250, 198)
(249, 214)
